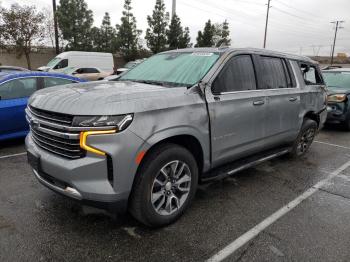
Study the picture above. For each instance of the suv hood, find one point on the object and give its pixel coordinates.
(338, 90)
(107, 98)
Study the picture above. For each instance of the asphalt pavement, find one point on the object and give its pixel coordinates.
(39, 225)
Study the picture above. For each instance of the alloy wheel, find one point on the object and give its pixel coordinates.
(171, 187)
(305, 141)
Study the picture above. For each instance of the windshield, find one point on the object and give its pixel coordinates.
(53, 62)
(172, 69)
(68, 70)
(337, 79)
(129, 65)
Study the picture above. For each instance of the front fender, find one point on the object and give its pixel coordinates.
(202, 136)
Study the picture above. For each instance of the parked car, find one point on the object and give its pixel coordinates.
(15, 88)
(89, 73)
(338, 82)
(128, 66)
(6, 69)
(182, 117)
(104, 61)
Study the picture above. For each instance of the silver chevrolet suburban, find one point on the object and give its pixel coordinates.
(143, 142)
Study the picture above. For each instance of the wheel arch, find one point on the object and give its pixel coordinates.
(313, 116)
(188, 141)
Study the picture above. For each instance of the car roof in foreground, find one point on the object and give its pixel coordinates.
(227, 50)
(5, 76)
(14, 68)
(337, 70)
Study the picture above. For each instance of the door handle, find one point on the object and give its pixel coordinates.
(258, 102)
(292, 99)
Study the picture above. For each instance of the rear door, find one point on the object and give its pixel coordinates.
(283, 100)
(236, 110)
(14, 96)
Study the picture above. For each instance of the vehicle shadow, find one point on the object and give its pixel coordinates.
(12, 143)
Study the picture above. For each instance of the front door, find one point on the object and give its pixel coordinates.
(237, 111)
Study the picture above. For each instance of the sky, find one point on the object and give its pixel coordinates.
(295, 26)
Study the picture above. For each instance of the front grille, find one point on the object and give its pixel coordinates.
(58, 118)
(53, 132)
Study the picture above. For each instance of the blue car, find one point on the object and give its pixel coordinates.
(15, 89)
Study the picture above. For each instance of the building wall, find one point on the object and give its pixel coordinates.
(39, 58)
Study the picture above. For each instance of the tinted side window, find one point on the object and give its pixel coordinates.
(18, 88)
(62, 64)
(273, 73)
(51, 81)
(237, 75)
(310, 74)
(88, 70)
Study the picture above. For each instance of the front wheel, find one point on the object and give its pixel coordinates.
(305, 138)
(164, 186)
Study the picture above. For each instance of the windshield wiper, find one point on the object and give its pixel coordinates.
(150, 82)
(159, 83)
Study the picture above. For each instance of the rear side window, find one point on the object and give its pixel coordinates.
(310, 74)
(51, 81)
(18, 88)
(273, 73)
(237, 75)
(87, 71)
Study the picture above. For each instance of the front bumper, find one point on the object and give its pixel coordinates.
(86, 179)
(336, 113)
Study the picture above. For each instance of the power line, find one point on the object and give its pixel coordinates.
(297, 9)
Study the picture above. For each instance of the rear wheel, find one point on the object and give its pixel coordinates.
(165, 185)
(305, 138)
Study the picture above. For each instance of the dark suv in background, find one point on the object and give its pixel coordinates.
(182, 117)
(338, 83)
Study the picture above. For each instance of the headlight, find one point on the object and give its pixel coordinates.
(120, 122)
(112, 124)
(337, 98)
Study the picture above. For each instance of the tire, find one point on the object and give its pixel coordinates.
(305, 138)
(346, 124)
(171, 192)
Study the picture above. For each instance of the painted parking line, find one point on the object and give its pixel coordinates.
(252, 233)
(13, 155)
(330, 144)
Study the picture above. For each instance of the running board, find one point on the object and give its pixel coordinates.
(241, 164)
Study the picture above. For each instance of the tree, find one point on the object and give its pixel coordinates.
(221, 34)
(177, 37)
(49, 29)
(21, 27)
(104, 38)
(225, 34)
(128, 34)
(75, 20)
(185, 39)
(156, 33)
(206, 39)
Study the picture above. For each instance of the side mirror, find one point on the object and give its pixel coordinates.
(306, 69)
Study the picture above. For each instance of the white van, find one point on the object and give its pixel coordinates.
(103, 61)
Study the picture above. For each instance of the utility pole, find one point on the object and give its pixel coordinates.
(173, 10)
(55, 26)
(267, 20)
(337, 26)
